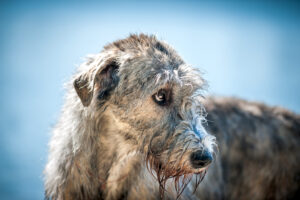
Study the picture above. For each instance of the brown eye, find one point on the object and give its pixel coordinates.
(161, 97)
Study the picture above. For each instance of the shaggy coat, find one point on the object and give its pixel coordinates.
(259, 151)
(132, 127)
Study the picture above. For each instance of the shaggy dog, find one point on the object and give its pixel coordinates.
(133, 126)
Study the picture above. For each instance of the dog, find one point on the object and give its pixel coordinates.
(134, 126)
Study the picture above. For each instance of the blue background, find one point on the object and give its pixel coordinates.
(246, 49)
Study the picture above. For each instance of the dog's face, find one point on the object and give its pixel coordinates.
(155, 93)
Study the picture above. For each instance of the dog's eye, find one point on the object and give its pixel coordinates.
(161, 97)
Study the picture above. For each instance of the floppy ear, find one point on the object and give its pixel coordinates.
(101, 82)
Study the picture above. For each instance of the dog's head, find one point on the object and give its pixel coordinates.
(153, 91)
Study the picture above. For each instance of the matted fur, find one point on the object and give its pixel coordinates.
(259, 151)
(114, 142)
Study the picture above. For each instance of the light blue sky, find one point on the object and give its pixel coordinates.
(246, 49)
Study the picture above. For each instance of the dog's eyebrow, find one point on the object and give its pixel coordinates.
(166, 76)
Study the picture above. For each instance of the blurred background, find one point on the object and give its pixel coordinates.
(248, 49)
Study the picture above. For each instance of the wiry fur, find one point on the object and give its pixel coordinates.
(259, 151)
(114, 142)
(111, 130)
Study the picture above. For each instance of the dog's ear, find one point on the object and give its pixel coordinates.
(101, 81)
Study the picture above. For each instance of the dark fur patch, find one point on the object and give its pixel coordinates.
(161, 48)
(107, 80)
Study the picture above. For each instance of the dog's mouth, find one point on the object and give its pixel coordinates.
(181, 177)
(181, 180)
(199, 171)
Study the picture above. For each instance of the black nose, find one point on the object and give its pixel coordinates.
(201, 159)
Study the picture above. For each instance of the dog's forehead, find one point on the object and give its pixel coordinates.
(182, 79)
(148, 64)
(152, 76)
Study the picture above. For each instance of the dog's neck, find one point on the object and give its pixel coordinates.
(127, 173)
(112, 163)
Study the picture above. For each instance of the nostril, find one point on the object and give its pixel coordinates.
(201, 159)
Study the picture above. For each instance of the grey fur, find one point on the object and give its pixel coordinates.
(259, 151)
(114, 142)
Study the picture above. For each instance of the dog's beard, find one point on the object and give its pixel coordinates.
(181, 176)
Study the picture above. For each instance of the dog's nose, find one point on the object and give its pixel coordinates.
(201, 159)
